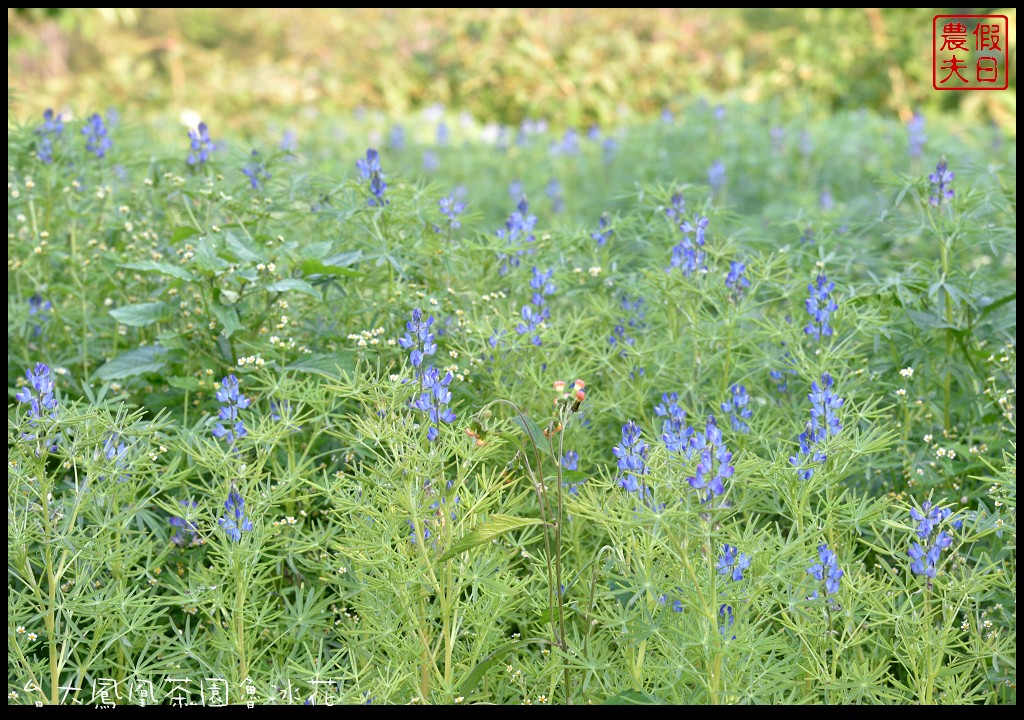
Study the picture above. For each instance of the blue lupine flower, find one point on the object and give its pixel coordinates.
(115, 450)
(289, 141)
(925, 557)
(778, 135)
(824, 423)
(716, 176)
(725, 612)
(439, 507)
(49, 132)
(431, 161)
(826, 202)
(942, 188)
(235, 522)
(732, 564)
(515, 190)
(632, 455)
(826, 570)
(806, 145)
(569, 145)
(434, 400)
(418, 338)
(687, 255)
(533, 321)
(542, 287)
(97, 141)
(713, 466)
(677, 604)
(451, 209)
(571, 460)
(184, 525)
(738, 406)
(256, 171)
(634, 320)
(231, 426)
(675, 433)
(396, 137)
(370, 169)
(820, 307)
(603, 232)
(201, 145)
(38, 394)
(720, 113)
(38, 307)
(518, 230)
(608, 149)
(554, 192)
(442, 134)
(666, 116)
(916, 136)
(736, 280)
(676, 209)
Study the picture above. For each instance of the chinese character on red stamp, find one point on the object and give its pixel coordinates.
(970, 52)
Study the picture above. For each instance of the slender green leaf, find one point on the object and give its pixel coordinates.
(148, 359)
(491, 528)
(293, 284)
(330, 365)
(161, 267)
(141, 314)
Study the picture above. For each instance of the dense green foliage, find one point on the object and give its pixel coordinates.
(575, 66)
(372, 563)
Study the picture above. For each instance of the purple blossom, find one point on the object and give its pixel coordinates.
(827, 570)
(418, 338)
(256, 171)
(732, 563)
(713, 467)
(632, 455)
(434, 400)
(231, 426)
(737, 280)
(820, 307)
(942, 188)
(49, 132)
(235, 521)
(200, 145)
(370, 169)
(97, 140)
(738, 406)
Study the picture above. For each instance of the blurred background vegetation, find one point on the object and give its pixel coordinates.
(571, 66)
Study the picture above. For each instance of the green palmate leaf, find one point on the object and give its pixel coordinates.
(317, 251)
(242, 249)
(228, 317)
(141, 314)
(183, 383)
(344, 259)
(533, 431)
(331, 365)
(491, 528)
(139, 361)
(183, 233)
(484, 665)
(161, 267)
(316, 267)
(207, 259)
(633, 697)
(293, 284)
(570, 476)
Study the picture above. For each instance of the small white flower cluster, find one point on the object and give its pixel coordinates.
(251, 360)
(907, 372)
(367, 337)
(269, 267)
